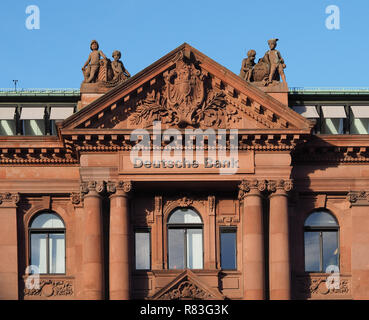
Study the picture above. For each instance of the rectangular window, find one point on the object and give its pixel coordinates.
(56, 253)
(7, 128)
(194, 249)
(334, 119)
(359, 116)
(228, 248)
(312, 252)
(176, 248)
(142, 249)
(39, 252)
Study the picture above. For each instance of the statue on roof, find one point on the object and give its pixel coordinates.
(268, 71)
(101, 71)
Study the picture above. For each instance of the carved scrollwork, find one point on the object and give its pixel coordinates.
(12, 198)
(51, 288)
(247, 185)
(76, 197)
(275, 185)
(92, 186)
(358, 197)
(316, 286)
(124, 186)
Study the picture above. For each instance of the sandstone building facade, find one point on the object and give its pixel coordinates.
(79, 219)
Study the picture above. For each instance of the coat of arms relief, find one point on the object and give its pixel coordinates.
(186, 99)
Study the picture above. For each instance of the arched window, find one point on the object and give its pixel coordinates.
(185, 240)
(47, 243)
(321, 242)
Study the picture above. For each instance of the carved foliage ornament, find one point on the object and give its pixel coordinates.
(185, 100)
(246, 186)
(186, 290)
(49, 288)
(316, 286)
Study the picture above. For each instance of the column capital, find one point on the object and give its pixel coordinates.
(280, 186)
(92, 188)
(122, 188)
(251, 187)
(9, 199)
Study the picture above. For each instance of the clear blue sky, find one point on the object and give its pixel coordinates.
(144, 31)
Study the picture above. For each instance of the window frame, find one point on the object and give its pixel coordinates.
(143, 230)
(184, 226)
(320, 230)
(47, 231)
(228, 229)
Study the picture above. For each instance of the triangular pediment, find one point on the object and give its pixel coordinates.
(186, 89)
(187, 286)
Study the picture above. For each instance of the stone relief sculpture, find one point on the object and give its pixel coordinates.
(268, 71)
(101, 70)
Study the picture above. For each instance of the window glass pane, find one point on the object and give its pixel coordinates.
(34, 127)
(312, 251)
(7, 128)
(228, 249)
(142, 241)
(38, 252)
(176, 247)
(47, 220)
(332, 126)
(320, 219)
(360, 126)
(184, 216)
(56, 253)
(194, 248)
(330, 249)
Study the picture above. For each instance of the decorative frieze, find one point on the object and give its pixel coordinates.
(323, 286)
(51, 288)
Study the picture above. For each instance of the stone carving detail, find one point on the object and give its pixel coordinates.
(186, 99)
(185, 290)
(358, 197)
(315, 286)
(247, 185)
(13, 198)
(92, 186)
(211, 200)
(76, 197)
(103, 72)
(275, 185)
(269, 69)
(51, 288)
(125, 186)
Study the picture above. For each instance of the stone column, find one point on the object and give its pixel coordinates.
(253, 239)
(279, 258)
(93, 258)
(119, 244)
(8, 246)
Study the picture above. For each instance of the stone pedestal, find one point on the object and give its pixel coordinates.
(278, 92)
(119, 254)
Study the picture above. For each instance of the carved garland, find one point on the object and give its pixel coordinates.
(49, 288)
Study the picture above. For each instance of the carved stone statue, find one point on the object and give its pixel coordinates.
(91, 67)
(275, 62)
(119, 71)
(103, 73)
(248, 65)
(269, 69)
